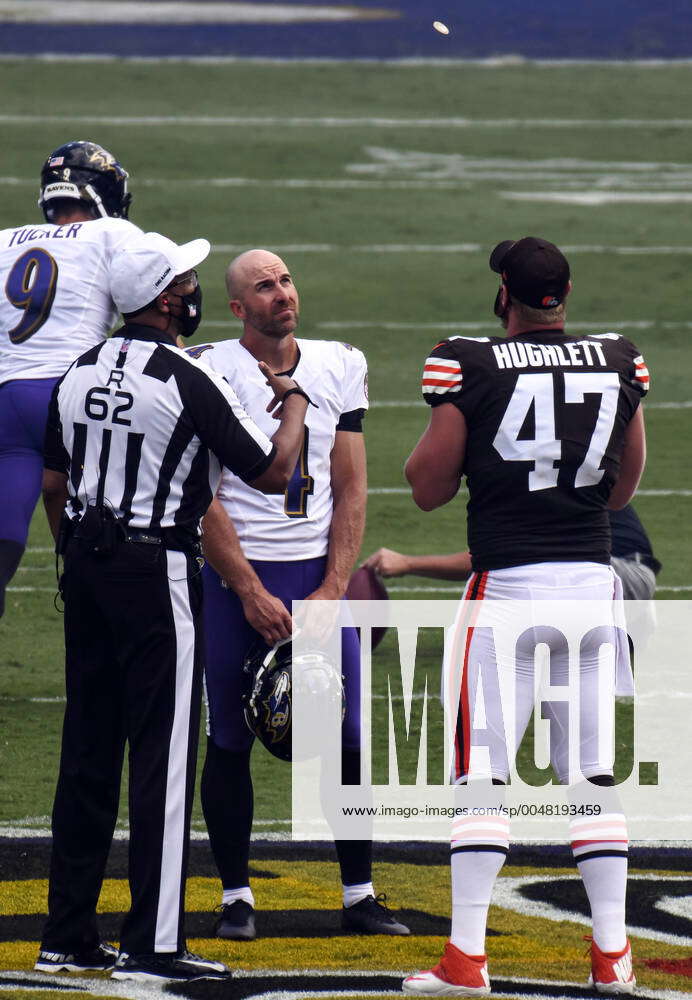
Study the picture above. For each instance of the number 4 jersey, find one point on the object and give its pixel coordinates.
(55, 300)
(294, 525)
(546, 414)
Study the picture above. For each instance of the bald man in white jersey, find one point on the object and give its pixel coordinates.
(266, 552)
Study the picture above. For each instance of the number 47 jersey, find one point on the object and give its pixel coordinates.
(55, 300)
(546, 414)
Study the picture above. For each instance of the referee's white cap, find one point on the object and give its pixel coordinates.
(146, 265)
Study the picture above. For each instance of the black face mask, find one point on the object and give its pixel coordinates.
(192, 312)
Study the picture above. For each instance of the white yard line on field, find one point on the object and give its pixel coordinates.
(391, 404)
(380, 491)
(592, 198)
(345, 121)
(510, 61)
(599, 325)
(446, 248)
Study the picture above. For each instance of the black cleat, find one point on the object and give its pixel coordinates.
(164, 967)
(236, 922)
(371, 916)
(98, 959)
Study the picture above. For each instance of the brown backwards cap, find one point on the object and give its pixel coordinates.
(534, 270)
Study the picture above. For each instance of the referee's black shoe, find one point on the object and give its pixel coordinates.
(371, 916)
(236, 922)
(168, 967)
(98, 959)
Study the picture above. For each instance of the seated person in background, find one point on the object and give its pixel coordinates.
(632, 559)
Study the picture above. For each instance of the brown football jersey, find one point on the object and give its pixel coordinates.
(546, 414)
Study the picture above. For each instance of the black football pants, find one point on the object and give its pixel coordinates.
(133, 645)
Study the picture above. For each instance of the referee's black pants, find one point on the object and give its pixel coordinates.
(133, 640)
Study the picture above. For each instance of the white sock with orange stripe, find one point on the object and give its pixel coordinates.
(479, 849)
(473, 878)
(599, 845)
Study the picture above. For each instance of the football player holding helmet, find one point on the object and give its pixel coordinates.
(273, 674)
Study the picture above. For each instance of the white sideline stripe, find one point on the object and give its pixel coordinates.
(124, 834)
(413, 184)
(443, 248)
(392, 590)
(549, 989)
(418, 403)
(380, 491)
(612, 325)
(423, 184)
(601, 197)
(339, 121)
(510, 61)
(129, 12)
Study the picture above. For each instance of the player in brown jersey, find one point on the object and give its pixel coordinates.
(547, 429)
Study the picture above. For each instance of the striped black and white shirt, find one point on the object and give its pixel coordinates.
(143, 428)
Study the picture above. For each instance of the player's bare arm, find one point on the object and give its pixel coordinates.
(435, 465)
(221, 547)
(631, 462)
(449, 566)
(288, 438)
(54, 498)
(349, 489)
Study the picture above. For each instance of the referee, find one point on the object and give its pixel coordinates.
(137, 434)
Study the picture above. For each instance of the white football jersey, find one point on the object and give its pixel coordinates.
(55, 301)
(294, 525)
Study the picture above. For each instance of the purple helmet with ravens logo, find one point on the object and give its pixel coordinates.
(267, 701)
(88, 173)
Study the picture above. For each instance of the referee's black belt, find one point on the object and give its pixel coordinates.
(169, 538)
(144, 536)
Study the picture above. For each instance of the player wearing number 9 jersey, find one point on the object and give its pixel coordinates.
(266, 553)
(548, 431)
(54, 306)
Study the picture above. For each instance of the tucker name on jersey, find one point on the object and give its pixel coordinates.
(546, 414)
(56, 302)
(335, 376)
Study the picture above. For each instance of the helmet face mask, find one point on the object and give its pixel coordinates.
(86, 173)
(270, 674)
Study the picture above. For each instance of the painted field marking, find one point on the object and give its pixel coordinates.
(419, 403)
(507, 893)
(405, 62)
(601, 325)
(341, 121)
(380, 491)
(129, 12)
(570, 172)
(578, 197)
(445, 248)
(591, 198)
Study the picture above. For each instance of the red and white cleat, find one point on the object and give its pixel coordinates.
(455, 975)
(611, 972)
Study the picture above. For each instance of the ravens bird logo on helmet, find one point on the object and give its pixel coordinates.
(273, 676)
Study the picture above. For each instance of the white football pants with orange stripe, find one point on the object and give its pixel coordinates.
(502, 660)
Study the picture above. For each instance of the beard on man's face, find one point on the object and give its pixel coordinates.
(271, 325)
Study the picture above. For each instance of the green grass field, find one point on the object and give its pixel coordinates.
(384, 187)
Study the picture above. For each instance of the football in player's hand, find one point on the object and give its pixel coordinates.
(366, 585)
